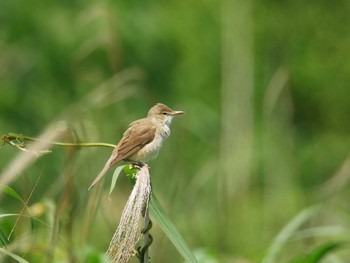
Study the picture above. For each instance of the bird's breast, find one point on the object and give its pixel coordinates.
(150, 150)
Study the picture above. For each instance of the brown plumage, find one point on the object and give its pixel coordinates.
(143, 139)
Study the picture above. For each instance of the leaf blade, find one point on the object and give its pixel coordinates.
(287, 231)
(115, 176)
(11, 192)
(170, 230)
(3, 238)
(319, 253)
(14, 256)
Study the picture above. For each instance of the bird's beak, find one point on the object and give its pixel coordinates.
(174, 113)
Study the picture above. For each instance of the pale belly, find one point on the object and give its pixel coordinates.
(149, 151)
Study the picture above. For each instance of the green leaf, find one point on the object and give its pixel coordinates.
(287, 232)
(3, 238)
(14, 256)
(170, 230)
(10, 191)
(318, 253)
(33, 219)
(115, 177)
(7, 215)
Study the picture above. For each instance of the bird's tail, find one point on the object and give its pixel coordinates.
(101, 174)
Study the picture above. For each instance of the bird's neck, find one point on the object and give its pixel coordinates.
(166, 130)
(163, 127)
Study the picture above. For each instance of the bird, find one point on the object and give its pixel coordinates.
(142, 140)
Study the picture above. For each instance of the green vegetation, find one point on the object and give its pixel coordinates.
(258, 168)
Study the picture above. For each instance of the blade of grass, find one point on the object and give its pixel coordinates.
(115, 177)
(287, 232)
(11, 192)
(3, 238)
(14, 256)
(7, 215)
(170, 230)
(319, 253)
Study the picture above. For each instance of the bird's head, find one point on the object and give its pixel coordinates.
(163, 113)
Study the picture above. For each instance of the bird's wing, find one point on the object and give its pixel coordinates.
(134, 139)
(138, 134)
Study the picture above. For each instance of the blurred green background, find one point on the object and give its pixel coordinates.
(265, 87)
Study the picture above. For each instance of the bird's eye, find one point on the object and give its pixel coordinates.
(164, 113)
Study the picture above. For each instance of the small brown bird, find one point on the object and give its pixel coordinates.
(143, 139)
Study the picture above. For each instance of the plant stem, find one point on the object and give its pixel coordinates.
(10, 137)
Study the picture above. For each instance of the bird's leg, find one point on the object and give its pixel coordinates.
(140, 164)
